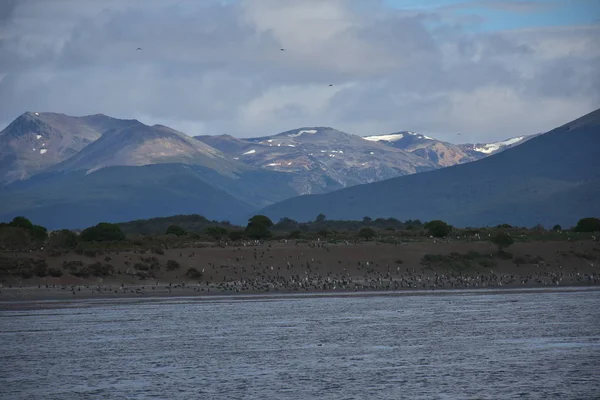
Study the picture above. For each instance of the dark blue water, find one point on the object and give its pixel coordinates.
(538, 345)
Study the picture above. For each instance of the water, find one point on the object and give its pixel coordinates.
(462, 345)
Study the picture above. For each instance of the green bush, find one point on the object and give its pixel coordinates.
(588, 225)
(175, 230)
(103, 232)
(72, 265)
(63, 239)
(366, 233)
(295, 235)
(21, 222)
(257, 232)
(236, 235)
(216, 232)
(100, 270)
(502, 240)
(437, 228)
(172, 265)
(54, 272)
(141, 266)
(40, 268)
(26, 273)
(193, 273)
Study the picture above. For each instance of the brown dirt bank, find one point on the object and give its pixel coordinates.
(314, 267)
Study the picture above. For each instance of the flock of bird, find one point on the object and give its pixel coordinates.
(254, 267)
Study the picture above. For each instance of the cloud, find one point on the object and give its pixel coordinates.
(216, 67)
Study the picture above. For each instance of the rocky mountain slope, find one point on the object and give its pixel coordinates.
(553, 178)
(444, 154)
(138, 144)
(35, 141)
(319, 159)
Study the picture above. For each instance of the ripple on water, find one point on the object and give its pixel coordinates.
(447, 346)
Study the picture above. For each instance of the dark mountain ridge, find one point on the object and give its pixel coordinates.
(548, 179)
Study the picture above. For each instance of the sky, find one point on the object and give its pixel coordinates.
(484, 69)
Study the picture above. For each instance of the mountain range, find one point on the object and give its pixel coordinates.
(552, 178)
(65, 171)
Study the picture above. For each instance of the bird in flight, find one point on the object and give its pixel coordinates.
(139, 49)
(282, 49)
(330, 85)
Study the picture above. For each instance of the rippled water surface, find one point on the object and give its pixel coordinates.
(462, 345)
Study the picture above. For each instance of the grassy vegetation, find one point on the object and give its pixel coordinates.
(151, 238)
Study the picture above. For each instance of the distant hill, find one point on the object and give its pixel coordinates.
(35, 141)
(552, 178)
(116, 194)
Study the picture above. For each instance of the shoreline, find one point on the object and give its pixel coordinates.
(32, 300)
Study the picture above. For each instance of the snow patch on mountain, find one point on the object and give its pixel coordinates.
(300, 133)
(249, 152)
(387, 138)
(492, 147)
(394, 137)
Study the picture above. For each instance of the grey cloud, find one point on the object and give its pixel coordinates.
(218, 68)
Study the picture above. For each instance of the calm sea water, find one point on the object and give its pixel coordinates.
(462, 345)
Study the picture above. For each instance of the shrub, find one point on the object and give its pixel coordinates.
(72, 265)
(103, 232)
(172, 265)
(54, 272)
(502, 240)
(81, 273)
(158, 250)
(588, 225)
(557, 228)
(40, 268)
(39, 233)
(175, 230)
(193, 273)
(295, 235)
(21, 222)
(261, 220)
(437, 228)
(236, 235)
(216, 232)
(98, 269)
(257, 232)
(26, 273)
(14, 238)
(63, 239)
(141, 266)
(366, 233)
(90, 252)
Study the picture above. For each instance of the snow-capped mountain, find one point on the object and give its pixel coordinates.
(320, 159)
(481, 150)
(36, 140)
(444, 154)
(553, 178)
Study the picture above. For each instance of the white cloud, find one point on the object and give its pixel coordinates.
(216, 67)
